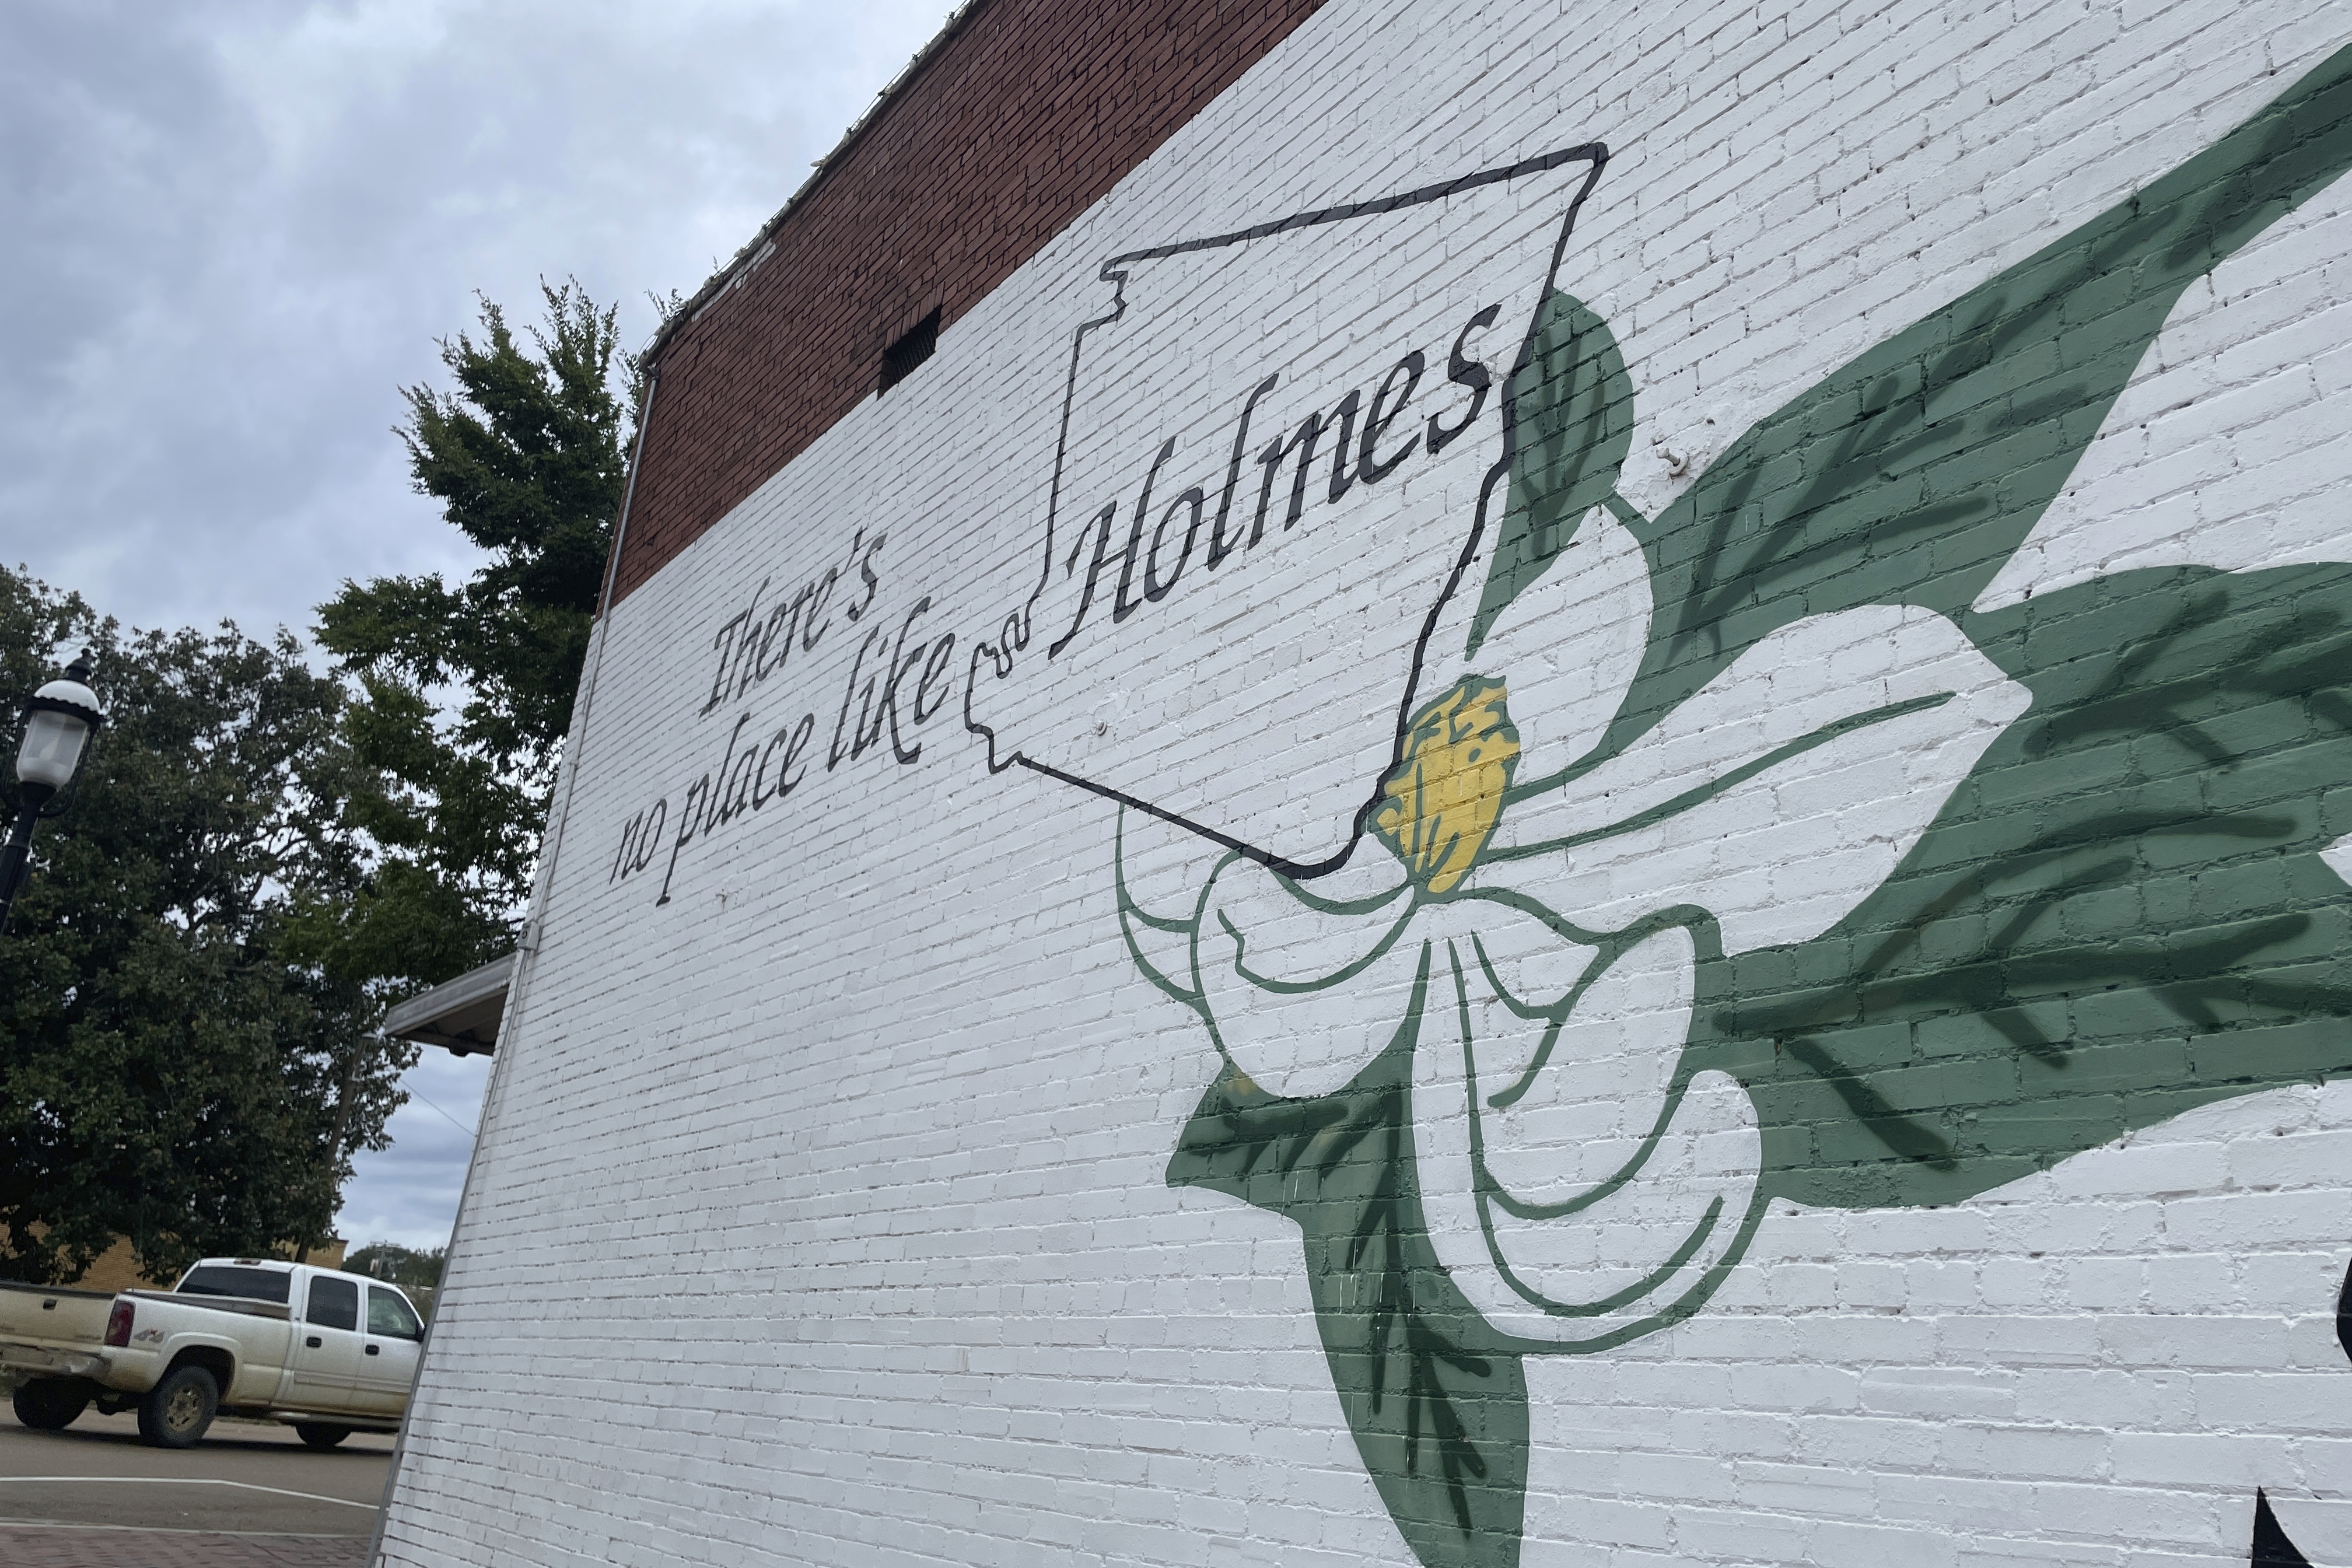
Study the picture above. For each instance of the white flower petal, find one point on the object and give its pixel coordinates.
(1640, 1250)
(1520, 970)
(1166, 953)
(1788, 852)
(1301, 996)
(1583, 1113)
(1162, 870)
(2338, 857)
(1632, 1250)
(1567, 648)
(1164, 866)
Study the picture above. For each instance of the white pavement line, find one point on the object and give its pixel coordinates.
(185, 1481)
(172, 1529)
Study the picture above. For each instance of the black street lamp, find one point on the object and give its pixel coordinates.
(59, 720)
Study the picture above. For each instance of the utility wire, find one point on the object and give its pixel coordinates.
(452, 1120)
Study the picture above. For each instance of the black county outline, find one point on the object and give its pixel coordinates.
(1013, 636)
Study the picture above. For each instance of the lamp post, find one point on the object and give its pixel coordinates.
(59, 720)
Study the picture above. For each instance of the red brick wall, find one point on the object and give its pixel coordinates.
(1018, 124)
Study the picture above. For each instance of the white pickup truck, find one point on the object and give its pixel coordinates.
(333, 1352)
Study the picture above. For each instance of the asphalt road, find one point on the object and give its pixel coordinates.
(247, 1477)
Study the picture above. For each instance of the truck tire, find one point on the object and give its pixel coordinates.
(320, 1434)
(177, 1410)
(51, 1404)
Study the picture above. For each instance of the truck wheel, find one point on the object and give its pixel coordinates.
(177, 1410)
(50, 1404)
(320, 1434)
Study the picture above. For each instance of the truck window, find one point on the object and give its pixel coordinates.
(335, 1303)
(228, 1280)
(391, 1316)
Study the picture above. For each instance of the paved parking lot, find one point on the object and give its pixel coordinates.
(249, 1496)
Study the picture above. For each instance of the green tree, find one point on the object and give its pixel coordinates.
(185, 1062)
(401, 1265)
(465, 692)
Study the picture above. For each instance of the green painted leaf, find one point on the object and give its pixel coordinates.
(1437, 1405)
(1911, 474)
(1570, 407)
(2121, 914)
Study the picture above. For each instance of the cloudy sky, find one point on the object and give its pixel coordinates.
(231, 232)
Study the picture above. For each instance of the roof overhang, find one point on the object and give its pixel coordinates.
(460, 1016)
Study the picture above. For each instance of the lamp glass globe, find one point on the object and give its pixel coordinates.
(51, 749)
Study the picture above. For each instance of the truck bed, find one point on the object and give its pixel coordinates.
(50, 1328)
(239, 1304)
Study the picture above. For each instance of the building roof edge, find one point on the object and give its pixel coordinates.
(756, 248)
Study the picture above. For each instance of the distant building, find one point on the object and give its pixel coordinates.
(117, 1268)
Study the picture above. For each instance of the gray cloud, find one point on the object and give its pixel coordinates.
(231, 232)
(408, 1193)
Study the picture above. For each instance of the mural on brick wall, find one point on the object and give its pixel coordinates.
(1560, 885)
(1525, 1019)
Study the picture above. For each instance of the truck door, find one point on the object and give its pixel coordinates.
(325, 1356)
(388, 1356)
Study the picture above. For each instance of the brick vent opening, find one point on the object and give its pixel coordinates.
(1022, 119)
(913, 347)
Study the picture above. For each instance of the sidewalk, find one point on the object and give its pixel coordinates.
(37, 1546)
(249, 1496)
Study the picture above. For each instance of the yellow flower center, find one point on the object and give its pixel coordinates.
(1442, 802)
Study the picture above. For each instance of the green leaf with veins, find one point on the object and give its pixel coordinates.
(2121, 915)
(1570, 410)
(1911, 474)
(1435, 1397)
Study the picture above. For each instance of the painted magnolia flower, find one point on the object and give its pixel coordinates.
(1530, 909)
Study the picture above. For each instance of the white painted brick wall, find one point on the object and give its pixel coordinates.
(820, 1214)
